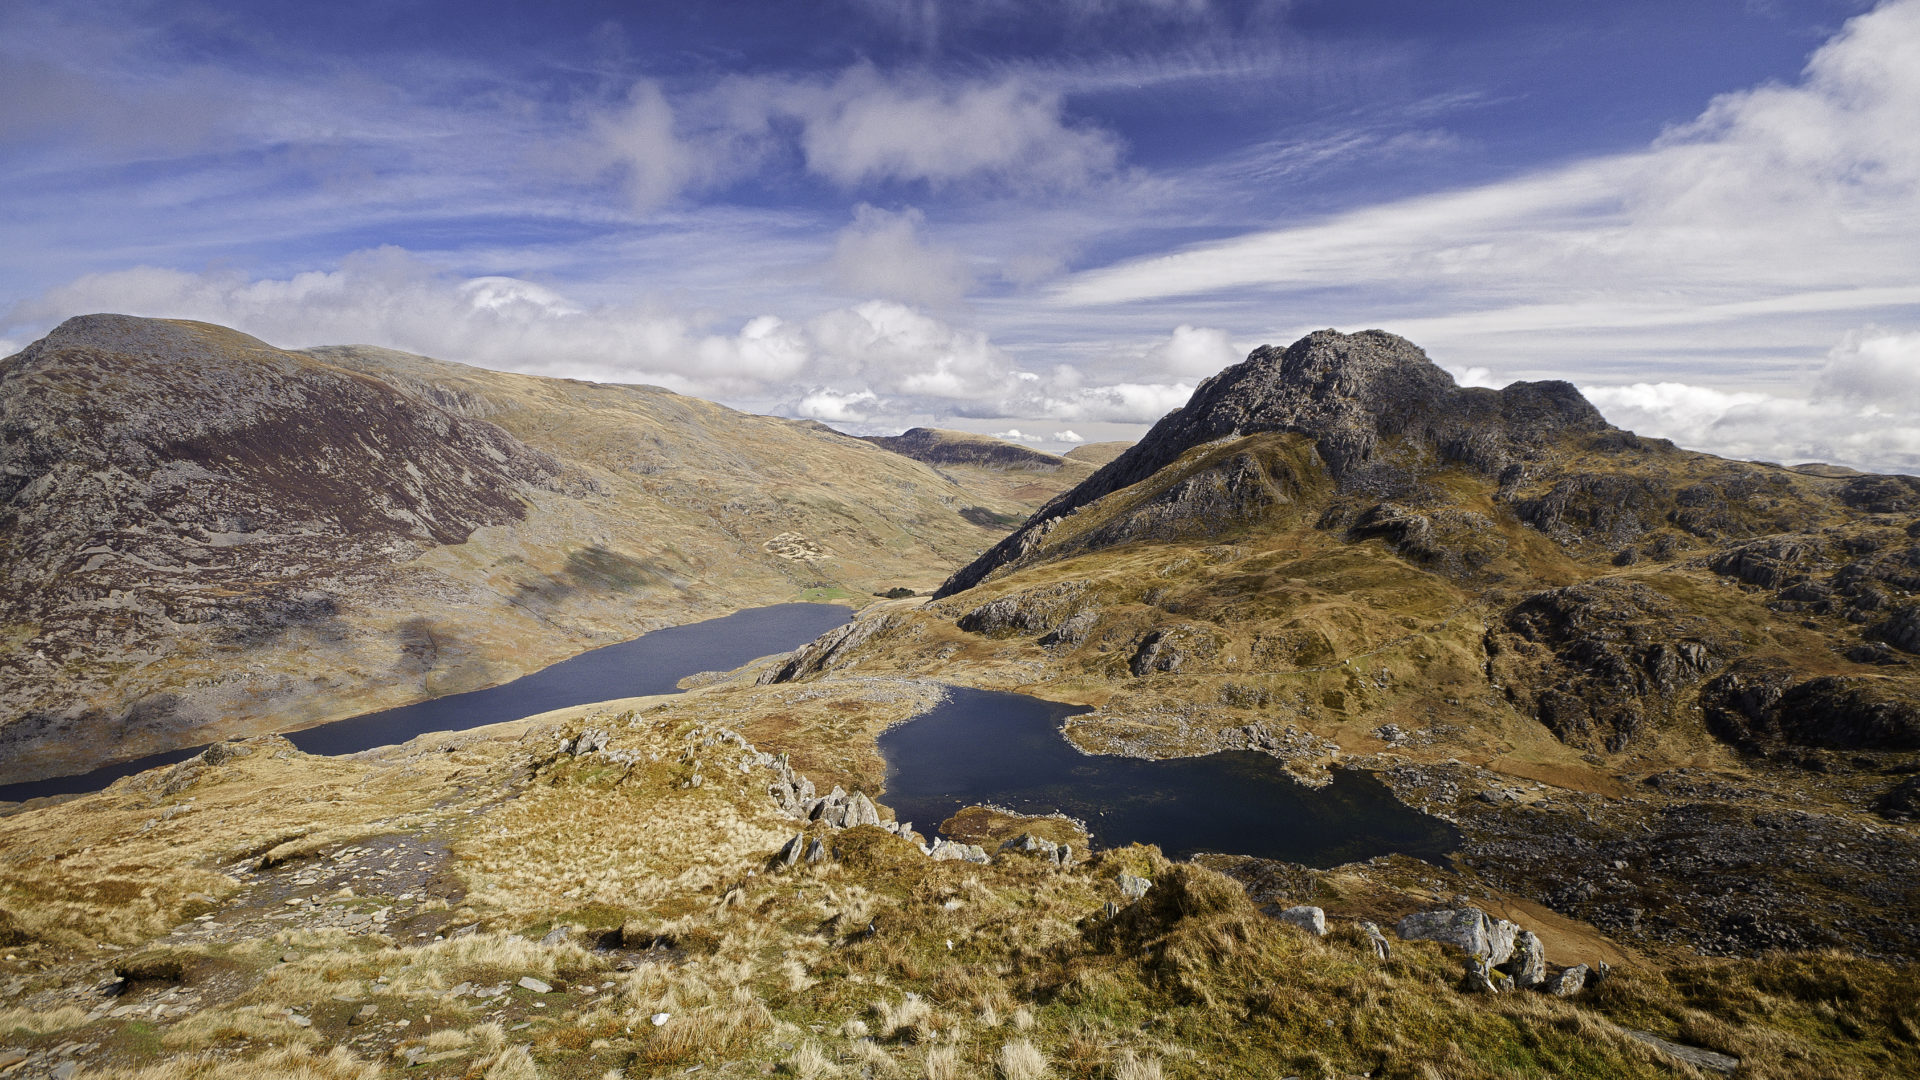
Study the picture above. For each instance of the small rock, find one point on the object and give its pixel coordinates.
(816, 851)
(1306, 917)
(557, 936)
(1528, 965)
(660, 1019)
(1692, 1055)
(528, 982)
(1133, 888)
(1484, 978)
(1568, 982)
(1378, 941)
(366, 1013)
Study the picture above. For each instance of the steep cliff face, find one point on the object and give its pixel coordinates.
(1363, 400)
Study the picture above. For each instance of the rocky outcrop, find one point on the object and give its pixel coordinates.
(832, 649)
(1598, 663)
(1030, 613)
(1500, 955)
(1040, 847)
(1762, 702)
(1470, 930)
(1353, 396)
(1901, 802)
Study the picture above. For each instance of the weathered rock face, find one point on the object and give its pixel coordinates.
(1470, 930)
(1760, 702)
(163, 479)
(1614, 652)
(1350, 394)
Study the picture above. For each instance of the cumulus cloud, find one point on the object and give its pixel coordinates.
(1864, 410)
(831, 405)
(857, 129)
(1197, 351)
(1068, 436)
(883, 254)
(1016, 435)
(871, 361)
(639, 140)
(866, 128)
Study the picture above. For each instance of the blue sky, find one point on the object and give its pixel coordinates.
(1043, 218)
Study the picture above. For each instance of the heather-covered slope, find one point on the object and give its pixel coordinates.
(202, 535)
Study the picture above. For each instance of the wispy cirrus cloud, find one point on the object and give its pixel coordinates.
(1787, 200)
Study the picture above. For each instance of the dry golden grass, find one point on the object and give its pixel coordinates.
(1190, 982)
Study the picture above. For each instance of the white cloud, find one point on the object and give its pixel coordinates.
(639, 138)
(1864, 410)
(1475, 376)
(1016, 435)
(1198, 351)
(1873, 367)
(883, 254)
(1783, 206)
(859, 128)
(831, 405)
(867, 128)
(1068, 436)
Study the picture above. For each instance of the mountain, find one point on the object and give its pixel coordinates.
(1098, 453)
(202, 535)
(1660, 696)
(1489, 598)
(983, 463)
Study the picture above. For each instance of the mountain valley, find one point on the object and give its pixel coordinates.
(1669, 702)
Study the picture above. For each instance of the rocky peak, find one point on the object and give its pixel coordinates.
(1354, 395)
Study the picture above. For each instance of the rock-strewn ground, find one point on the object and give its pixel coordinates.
(608, 891)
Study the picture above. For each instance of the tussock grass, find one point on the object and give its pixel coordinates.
(284, 1063)
(1020, 1060)
(41, 1021)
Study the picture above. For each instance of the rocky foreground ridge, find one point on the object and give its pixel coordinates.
(203, 535)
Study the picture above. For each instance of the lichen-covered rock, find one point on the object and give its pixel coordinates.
(1527, 967)
(1133, 887)
(943, 849)
(1568, 982)
(1468, 929)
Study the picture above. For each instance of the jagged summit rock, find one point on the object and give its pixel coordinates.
(1352, 395)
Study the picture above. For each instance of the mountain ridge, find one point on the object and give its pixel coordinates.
(209, 536)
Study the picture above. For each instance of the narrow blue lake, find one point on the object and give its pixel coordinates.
(649, 664)
(1006, 750)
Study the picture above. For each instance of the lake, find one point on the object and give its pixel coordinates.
(984, 747)
(649, 664)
